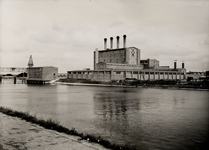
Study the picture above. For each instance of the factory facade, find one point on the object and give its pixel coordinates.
(125, 62)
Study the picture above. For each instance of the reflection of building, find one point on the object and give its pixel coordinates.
(121, 63)
(41, 74)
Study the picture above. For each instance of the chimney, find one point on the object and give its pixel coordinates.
(105, 43)
(111, 42)
(118, 41)
(124, 41)
(175, 65)
(96, 59)
(182, 64)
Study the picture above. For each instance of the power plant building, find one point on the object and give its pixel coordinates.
(125, 62)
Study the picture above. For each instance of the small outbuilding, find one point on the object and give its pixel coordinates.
(41, 75)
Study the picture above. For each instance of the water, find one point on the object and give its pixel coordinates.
(147, 117)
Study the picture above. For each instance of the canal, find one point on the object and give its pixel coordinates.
(146, 117)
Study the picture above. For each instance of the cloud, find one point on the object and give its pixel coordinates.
(65, 33)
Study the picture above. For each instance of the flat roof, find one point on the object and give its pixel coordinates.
(116, 49)
(42, 67)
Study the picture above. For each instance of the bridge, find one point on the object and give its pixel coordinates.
(12, 69)
(18, 70)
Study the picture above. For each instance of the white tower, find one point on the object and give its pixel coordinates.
(30, 62)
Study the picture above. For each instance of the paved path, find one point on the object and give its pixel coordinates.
(16, 134)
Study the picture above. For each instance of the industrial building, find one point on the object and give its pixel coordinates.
(40, 75)
(196, 75)
(125, 62)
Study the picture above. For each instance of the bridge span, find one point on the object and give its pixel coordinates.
(18, 70)
(13, 69)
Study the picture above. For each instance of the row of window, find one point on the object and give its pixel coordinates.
(34, 75)
(134, 72)
(166, 73)
(35, 70)
(88, 72)
(112, 55)
(152, 73)
(111, 60)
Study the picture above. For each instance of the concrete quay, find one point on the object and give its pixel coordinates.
(17, 134)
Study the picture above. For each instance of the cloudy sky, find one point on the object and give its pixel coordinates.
(64, 33)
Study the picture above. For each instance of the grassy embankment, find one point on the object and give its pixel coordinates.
(145, 83)
(55, 125)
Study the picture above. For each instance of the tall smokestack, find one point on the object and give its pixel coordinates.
(105, 43)
(111, 42)
(118, 41)
(182, 64)
(124, 41)
(175, 65)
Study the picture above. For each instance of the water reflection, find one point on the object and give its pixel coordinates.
(11, 81)
(42, 100)
(148, 118)
(151, 117)
(13, 97)
(114, 113)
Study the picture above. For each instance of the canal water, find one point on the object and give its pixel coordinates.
(146, 117)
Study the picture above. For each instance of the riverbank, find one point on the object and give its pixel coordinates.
(18, 134)
(46, 134)
(164, 84)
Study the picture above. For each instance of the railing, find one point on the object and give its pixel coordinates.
(12, 69)
(62, 75)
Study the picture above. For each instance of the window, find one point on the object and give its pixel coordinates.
(118, 72)
(35, 73)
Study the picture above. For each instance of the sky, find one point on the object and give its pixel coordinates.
(65, 33)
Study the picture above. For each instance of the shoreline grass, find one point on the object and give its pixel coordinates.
(55, 125)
